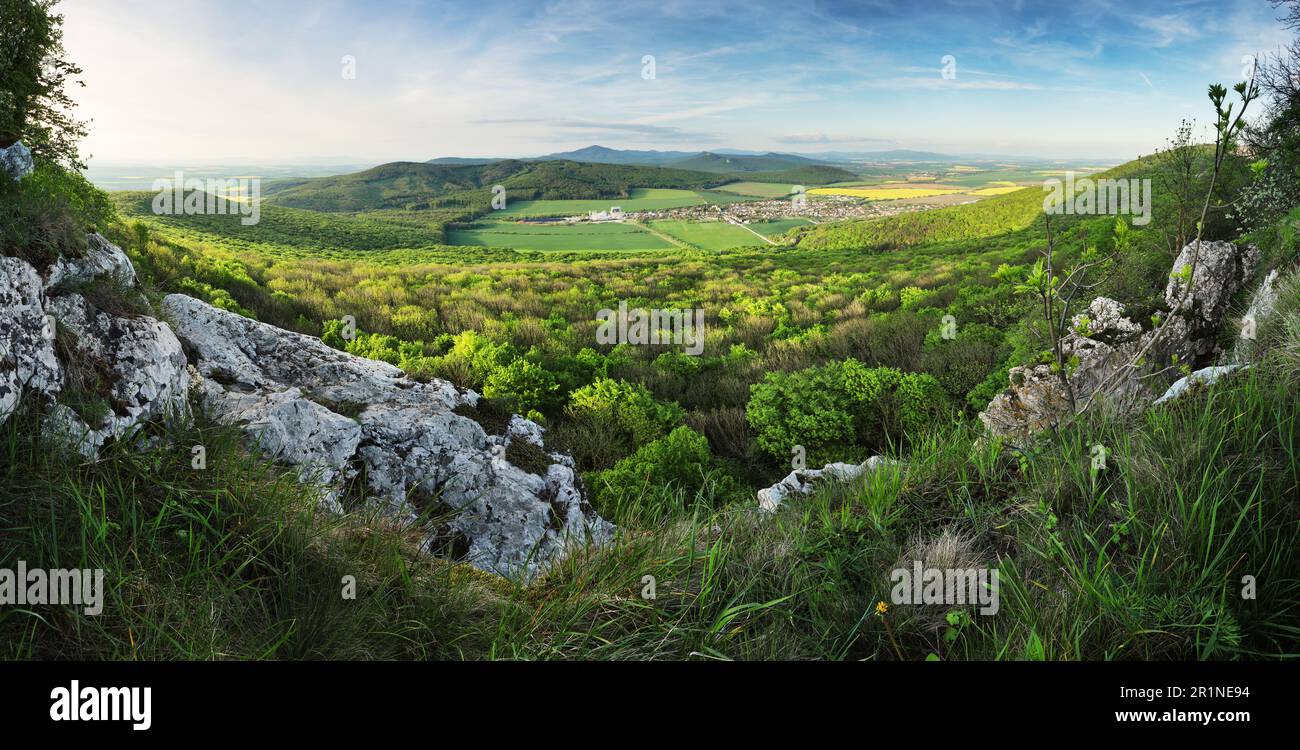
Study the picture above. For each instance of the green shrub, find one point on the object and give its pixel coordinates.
(679, 462)
(524, 383)
(841, 411)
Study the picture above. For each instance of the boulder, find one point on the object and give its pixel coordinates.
(16, 161)
(1113, 363)
(344, 420)
(135, 364)
(56, 346)
(1221, 269)
(1203, 378)
(802, 482)
(103, 259)
(27, 359)
(1262, 304)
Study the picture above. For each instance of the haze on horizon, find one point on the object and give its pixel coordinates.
(237, 81)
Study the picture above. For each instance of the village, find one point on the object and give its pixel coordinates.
(816, 209)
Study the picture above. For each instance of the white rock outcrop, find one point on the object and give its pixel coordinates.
(131, 366)
(137, 362)
(1262, 304)
(1113, 362)
(28, 363)
(16, 161)
(103, 259)
(345, 420)
(1204, 377)
(802, 482)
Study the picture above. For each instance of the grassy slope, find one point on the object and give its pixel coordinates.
(987, 218)
(1141, 561)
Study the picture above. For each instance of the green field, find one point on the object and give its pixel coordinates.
(757, 189)
(643, 199)
(558, 237)
(708, 235)
(773, 229)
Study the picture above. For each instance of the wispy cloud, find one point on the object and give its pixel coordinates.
(262, 80)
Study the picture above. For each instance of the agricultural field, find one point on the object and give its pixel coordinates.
(607, 236)
(709, 235)
(757, 189)
(774, 229)
(886, 192)
(641, 199)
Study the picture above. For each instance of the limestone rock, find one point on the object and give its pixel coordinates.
(103, 259)
(136, 363)
(802, 482)
(16, 161)
(27, 359)
(1112, 363)
(1262, 304)
(339, 417)
(1203, 377)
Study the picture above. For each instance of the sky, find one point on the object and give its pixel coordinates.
(231, 81)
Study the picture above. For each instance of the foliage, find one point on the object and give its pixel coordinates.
(34, 75)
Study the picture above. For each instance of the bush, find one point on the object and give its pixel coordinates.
(523, 383)
(841, 411)
(626, 412)
(47, 214)
(678, 462)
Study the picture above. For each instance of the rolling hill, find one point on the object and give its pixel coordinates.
(411, 185)
(733, 163)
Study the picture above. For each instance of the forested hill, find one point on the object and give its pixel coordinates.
(410, 185)
(986, 218)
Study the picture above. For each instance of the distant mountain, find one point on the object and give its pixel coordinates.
(733, 163)
(462, 160)
(603, 155)
(837, 157)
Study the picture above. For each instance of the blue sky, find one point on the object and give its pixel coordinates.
(195, 80)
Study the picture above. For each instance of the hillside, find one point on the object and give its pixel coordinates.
(410, 185)
(993, 216)
(737, 163)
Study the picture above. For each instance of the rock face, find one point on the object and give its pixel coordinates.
(27, 359)
(103, 259)
(1262, 304)
(16, 161)
(117, 370)
(1115, 363)
(345, 420)
(802, 482)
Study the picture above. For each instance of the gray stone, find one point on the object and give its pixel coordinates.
(16, 161)
(1112, 362)
(27, 358)
(1262, 304)
(1203, 377)
(140, 362)
(417, 454)
(802, 482)
(103, 259)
